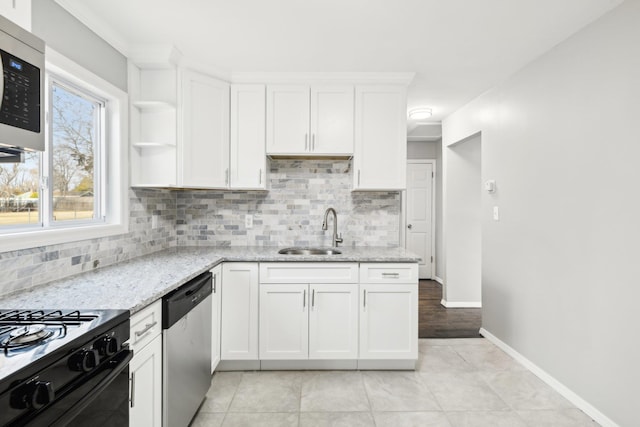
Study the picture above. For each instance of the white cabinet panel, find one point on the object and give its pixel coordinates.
(145, 373)
(239, 317)
(332, 120)
(17, 11)
(284, 322)
(316, 272)
(389, 321)
(333, 321)
(248, 156)
(287, 119)
(380, 154)
(215, 316)
(204, 158)
(389, 273)
(145, 326)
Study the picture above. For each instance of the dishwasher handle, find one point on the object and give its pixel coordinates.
(178, 303)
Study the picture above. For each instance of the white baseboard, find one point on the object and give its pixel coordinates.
(438, 279)
(462, 304)
(565, 391)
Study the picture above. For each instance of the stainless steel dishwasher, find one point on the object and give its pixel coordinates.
(186, 324)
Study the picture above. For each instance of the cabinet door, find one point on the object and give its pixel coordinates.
(204, 154)
(389, 321)
(145, 370)
(380, 156)
(17, 11)
(239, 316)
(284, 322)
(215, 317)
(332, 120)
(248, 157)
(333, 321)
(287, 119)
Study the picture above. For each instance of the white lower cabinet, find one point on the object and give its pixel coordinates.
(284, 322)
(145, 369)
(215, 317)
(389, 321)
(239, 311)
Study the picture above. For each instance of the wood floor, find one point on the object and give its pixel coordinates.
(435, 321)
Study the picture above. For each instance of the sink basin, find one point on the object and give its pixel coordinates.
(309, 251)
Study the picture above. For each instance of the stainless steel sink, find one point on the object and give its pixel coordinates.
(309, 251)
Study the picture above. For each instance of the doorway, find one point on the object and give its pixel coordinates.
(420, 214)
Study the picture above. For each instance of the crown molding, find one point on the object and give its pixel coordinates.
(96, 24)
(395, 78)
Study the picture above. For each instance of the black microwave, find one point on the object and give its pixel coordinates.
(21, 89)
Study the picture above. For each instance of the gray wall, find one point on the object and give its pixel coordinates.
(64, 33)
(440, 271)
(462, 209)
(560, 270)
(421, 150)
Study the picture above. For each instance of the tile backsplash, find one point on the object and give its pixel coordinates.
(25, 268)
(292, 211)
(289, 214)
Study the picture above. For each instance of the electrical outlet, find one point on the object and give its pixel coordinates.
(248, 221)
(496, 213)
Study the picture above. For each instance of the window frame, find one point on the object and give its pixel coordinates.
(114, 163)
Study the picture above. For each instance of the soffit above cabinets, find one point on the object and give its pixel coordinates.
(458, 49)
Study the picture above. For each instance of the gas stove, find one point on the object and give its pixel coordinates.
(48, 356)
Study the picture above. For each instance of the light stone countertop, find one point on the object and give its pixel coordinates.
(134, 284)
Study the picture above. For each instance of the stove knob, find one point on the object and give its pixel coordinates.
(42, 394)
(84, 361)
(107, 346)
(34, 395)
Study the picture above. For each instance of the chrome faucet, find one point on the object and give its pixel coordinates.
(335, 238)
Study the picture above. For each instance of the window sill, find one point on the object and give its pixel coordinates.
(53, 236)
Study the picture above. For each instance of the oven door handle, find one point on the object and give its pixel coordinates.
(77, 408)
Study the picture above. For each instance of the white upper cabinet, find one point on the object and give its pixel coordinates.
(310, 120)
(380, 155)
(248, 158)
(17, 11)
(204, 159)
(332, 120)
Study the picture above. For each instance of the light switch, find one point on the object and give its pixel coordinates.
(248, 221)
(496, 213)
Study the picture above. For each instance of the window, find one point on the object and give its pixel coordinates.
(76, 189)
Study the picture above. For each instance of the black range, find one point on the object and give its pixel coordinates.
(64, 367)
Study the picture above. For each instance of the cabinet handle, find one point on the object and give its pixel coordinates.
(260, 177)
(313, 142)
(358, 177)
(214, 283)
(146, 329)
(364, 298)
(132, 401)
(306, 139)
(394, 275)
(313, 298)
(304, 299)
(226, 177)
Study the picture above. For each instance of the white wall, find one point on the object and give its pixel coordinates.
(421, 150)
(462, 207)
(561, 269)
(440, 271)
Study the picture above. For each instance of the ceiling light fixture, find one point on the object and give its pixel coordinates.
(420, 113)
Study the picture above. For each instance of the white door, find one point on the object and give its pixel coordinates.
(389, 321)
(204, 158)
(248, 158)
(419, 215)
(332, 119)
(239, 316)
(333, 321)
(145, 408)
(284, 322)
(288, 119)
(215, 317)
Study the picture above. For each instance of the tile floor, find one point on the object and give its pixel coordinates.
(458, 383)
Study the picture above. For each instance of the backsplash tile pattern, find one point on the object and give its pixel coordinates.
(30, 267)
(291, 212)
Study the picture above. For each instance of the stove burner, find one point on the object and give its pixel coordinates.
(29, 334)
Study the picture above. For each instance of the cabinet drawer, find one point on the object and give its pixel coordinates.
(389, 273)
(145, 326)
(304, 272)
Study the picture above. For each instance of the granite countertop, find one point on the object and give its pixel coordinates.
(134, 284)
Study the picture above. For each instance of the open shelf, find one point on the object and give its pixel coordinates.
(151, 106)
(153, 144)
